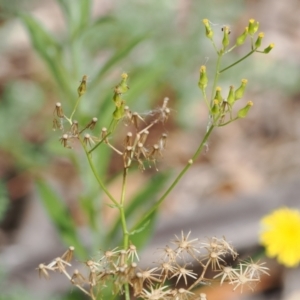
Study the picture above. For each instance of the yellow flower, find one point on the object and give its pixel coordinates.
(281, 235)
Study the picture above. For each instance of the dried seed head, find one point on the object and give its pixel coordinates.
(132, 253)
(104, 133)
(64, 140)
(128, 139)
(91, 125)
(57, 124)
(134, 119)
(43, 271)
(127, 156)
(143, 136)
(163, 141)
(77, 278)
(74, 128)
(68, 255)
(58, 111)
(88, 140)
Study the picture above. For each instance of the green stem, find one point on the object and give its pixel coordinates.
(75, 107)
(122, 210)
(124, 225)
(92, 166)
(98, 144)
(238, 61)
(174, 183)
(217, 73)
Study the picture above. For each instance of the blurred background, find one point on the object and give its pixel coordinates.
(48, 196)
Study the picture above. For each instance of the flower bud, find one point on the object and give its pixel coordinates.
(119, 112)
(259, 39)
(82, 87)
(230, 98)
(218, 95)
(253, 26)
(269, 48)
(244, 111)
(225, 41)
(215, 108)
(203, 80)
(241, 39)
(122, 87)
(239, 93)
(208, 31)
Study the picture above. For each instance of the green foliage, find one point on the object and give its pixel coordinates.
(60, 216)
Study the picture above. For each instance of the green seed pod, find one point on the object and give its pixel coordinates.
(253, 26)
(215, 108)
(244, 111)
(259, 39)
(82, 87)
(241, 39)
(117, 98)
(239, 93)
(208, 31)
(203, 80)
(218, 95)
(230, 98)
(225, 41)
(269, 48)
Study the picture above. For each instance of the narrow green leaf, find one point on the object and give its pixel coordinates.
(142, 235)
(77, 15)
(49, 50)
(60, 216)
(119, 55)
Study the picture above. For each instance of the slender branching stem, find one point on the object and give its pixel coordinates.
(238, 61)
(176, 180)
(75, 107)
(217, 73)
(100, 182)
(122, 209)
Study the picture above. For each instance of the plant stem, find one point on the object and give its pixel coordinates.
(75, 107)
(92, 166)
(238, 61)
(174, 183)
(122, 210)
(217, 73)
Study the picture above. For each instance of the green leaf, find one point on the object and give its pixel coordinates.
(77, 15)
(50, 51)
(118, 56)
(141, 236)
(60, 216)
